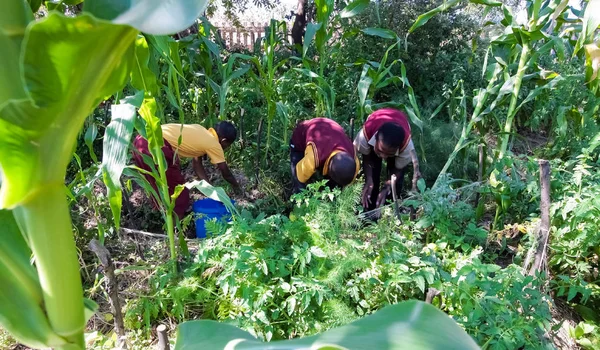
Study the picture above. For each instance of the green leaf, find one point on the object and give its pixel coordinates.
(492, 3)
(149, 16)
(406, 325)
(212, 192)
(89, 138)
(572, 293)
(14, 17)
(592, 67)
(142, 78)
(420, 281)
(309, 35)
(21, 294)
(85, 60)
(364, 84)
(380, 32)
(324, 9)
(354, 8)
(591, 21)
(424, 18)
(34, 5)
(291, 305)
(115, 150)
(238, 73)
(421, 185)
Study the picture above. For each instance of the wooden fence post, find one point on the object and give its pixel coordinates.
(541, 254)
(112, 289)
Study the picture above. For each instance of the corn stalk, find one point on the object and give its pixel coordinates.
(55, 71)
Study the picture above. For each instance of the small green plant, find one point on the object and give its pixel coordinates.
(586, 335)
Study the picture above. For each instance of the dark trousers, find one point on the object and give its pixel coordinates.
(295, 158)
(173, 173)
(376, 163)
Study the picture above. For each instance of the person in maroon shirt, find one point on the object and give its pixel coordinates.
(385, 135)
(320, 144)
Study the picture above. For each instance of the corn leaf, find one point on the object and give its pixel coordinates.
(115, 150)
(492, 3)
(90, 136)
(149, 16)
(142, 78)
(21, 296)
(324, 10)
(309, 35)
(407, 325)
(380, 32)
(592, 62)
(212, 192)
(364, 84)
(424, 18)
(591, 22)
(14, 17)
(84, 59)
(354, 8)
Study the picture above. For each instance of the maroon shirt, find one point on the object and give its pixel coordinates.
(387, 115)
(325, 135)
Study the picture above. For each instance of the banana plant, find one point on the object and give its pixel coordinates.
(55, 71)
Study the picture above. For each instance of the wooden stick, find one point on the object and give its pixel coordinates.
(352, 129)
(163, 338)
(480, 171)
(259, 132)
(144, 233)
(395, 198)
(541, 254)
(112, 289)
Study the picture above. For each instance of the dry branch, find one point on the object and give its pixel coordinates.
(112, 288)
(540, 262)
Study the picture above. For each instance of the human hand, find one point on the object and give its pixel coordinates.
(366, 195)
(385, 191)
(415, 180)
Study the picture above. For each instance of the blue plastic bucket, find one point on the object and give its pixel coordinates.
(208, 209)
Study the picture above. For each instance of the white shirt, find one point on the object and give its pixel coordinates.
(364, 147)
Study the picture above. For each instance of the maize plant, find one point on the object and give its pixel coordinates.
(54, 72)
(512, 59)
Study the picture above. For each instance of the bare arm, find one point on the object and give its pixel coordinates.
(228, 176)
(368, 170)
(199, 169)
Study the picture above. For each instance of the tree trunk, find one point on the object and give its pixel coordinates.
(299, 25)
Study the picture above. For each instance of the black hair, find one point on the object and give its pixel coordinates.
(342, 168)
(391, 134)
(226, 130)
